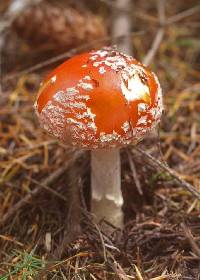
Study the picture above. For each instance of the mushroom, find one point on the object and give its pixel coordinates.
(101, 101)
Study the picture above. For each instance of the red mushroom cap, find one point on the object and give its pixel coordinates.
(100, 99)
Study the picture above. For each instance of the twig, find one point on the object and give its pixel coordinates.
(46, 188)
(29, 148)
(156, 43)
(183, 15)
(102, 241)
(159, 36)
(47, 181)
(117, 268)
(138, 273)
(173, 173)
(163, 23)
(135, 176)
(171, 276)
(191, 240)
(170, 20)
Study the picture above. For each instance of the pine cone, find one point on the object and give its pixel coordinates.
(55, 28)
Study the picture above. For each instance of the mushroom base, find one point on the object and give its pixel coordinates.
(106, 192)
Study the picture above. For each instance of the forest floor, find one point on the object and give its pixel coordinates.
(161, 236)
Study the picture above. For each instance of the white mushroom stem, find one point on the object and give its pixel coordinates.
(107, 198)
(106, 193)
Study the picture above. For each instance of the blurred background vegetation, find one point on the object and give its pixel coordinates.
(161, 238)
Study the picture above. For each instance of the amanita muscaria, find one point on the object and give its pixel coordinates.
(101, 101)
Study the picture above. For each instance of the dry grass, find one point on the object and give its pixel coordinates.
(161, 239)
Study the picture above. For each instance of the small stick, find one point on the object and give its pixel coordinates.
(135, 176)
(191, 240)
(159, 35)
(173, 173)
(182, 15)
(46, 188)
